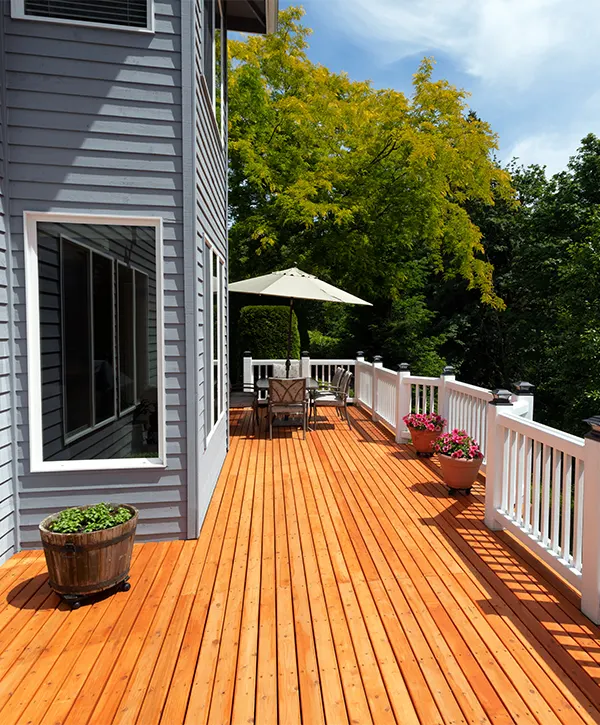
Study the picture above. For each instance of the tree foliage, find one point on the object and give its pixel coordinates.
(366, 188)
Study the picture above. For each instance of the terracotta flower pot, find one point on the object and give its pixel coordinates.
(423, 440)
(459, 474)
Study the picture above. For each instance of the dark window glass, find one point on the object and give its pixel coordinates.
(208, 50)
(98, 341)
(126, 338)
(132, 13)
(141, 334)
(104, 338)
(76, 332)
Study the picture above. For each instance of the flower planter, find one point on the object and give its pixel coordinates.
(82, 564)
(459, 474)
(423, 440)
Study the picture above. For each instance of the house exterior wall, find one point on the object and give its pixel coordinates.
(210, 169)
(96, 127)
(8, 505)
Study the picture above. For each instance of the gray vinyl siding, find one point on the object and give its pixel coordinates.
(210, 169)
(95, 127)
(8, 533)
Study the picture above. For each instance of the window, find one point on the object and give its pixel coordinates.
(94, 317)
(214, 58)
(121, 14)
(215, 296)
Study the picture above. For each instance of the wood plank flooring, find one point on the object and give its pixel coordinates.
(334, 582)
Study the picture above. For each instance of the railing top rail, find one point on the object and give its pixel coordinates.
(565, 442)
(332, 361)
(270, 361)
(386, 372)
(364, 362)
(472, 390)
(420, 380)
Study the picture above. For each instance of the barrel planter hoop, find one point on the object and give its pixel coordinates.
(83, 564)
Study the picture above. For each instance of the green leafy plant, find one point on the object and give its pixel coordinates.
(264, 331)
(89, 518)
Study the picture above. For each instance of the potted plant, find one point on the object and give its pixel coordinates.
(88, 549)
(424, 429)
(460, 459)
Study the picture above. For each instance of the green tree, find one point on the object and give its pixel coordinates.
(366, 188)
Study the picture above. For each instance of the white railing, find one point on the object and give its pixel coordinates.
(466, 409)
(542, 485)
(540, 471)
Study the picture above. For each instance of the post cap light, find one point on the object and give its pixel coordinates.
(305, 353)
(523, 388)
(377, 358)
(403, 367)
(448, 370)
(247, 353)
(360, 353)
(594, 423)
(501, 397)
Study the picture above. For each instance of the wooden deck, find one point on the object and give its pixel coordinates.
(334, 582)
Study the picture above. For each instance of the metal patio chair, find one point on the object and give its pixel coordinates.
(337, 399)
(287, 397)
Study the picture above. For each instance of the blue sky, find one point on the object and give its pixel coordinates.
(532, 67)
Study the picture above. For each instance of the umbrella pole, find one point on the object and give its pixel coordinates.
(289, 347)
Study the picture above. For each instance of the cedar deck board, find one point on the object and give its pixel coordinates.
(334, 582)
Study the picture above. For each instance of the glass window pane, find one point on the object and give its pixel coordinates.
(76, 341)
(126, 338)
(141, 333)
(104, 339)
(93, 278)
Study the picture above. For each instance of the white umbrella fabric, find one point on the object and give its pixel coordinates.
(295, 284)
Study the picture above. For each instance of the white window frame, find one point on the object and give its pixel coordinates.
(209, 282)
(18, 13)
(34, 361)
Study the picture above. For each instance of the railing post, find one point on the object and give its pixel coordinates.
(248, 381)
(305, 365)
(494, 471)
(360, 358)
(402, 401)
(524, 393)
(447, 376)
(377, 363)
(590, 566)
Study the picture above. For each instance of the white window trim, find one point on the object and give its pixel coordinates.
(18, 13)
(34, 366)
(209, 390)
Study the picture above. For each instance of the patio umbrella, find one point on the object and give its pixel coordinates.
(297, 285)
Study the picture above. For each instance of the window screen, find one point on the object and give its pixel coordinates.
(130, 13)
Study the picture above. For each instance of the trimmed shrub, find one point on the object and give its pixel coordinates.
(263, 330)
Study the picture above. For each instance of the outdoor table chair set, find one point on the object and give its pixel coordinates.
(297, 399)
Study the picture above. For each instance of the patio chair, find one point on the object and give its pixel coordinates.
(334, 383)
(258, 404)
(287, 397)
(337, 399)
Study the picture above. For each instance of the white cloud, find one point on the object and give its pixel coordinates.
(504, 42)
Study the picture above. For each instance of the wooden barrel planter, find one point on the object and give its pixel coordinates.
(83, 564)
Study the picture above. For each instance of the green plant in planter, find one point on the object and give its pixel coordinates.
(88, 519)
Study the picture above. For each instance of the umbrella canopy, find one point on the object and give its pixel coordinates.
(294, 284)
